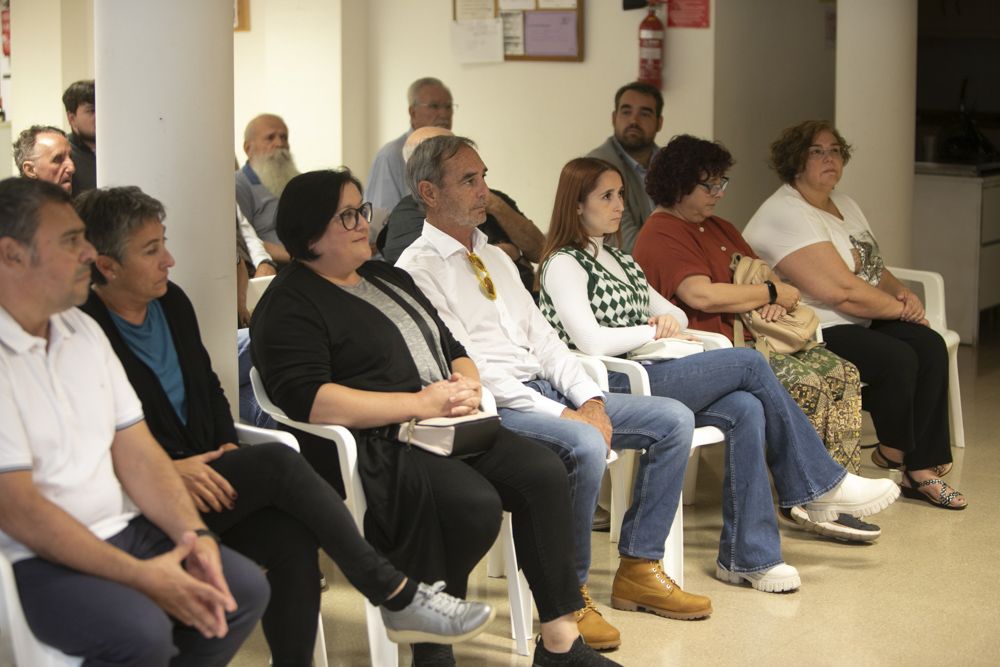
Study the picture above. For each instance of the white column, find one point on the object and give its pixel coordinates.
(876, 112)
(165, 122)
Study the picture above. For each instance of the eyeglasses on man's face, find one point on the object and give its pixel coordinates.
(349, 216)
(715, 189)
(434, 106)
(820, 153)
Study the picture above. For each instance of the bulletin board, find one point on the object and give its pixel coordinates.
(548, 30)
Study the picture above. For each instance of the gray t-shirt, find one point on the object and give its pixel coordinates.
(424, 358)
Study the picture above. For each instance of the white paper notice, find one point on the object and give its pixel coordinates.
(511, 5)
(477, 41)
(557, 4)
(469, 10)
(513, 33)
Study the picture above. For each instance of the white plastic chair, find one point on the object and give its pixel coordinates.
(932, 286)
(253, 435)
(622, 472)
(384, 652)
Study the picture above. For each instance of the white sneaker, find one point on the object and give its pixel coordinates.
(857, 496)
(437, 618)
(782, 578)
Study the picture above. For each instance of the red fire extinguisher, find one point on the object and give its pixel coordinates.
(651, 48)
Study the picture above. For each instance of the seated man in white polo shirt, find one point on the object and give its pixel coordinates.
(96, 578)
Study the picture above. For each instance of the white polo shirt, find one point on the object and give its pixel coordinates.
(508, 338)
(61, 403)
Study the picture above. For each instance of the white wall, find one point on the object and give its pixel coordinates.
(773, 68)
(289, 63)
(52, 45)
(529, 118)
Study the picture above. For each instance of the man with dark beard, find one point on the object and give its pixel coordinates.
(262, 179)
(79, 102)
(637, 117)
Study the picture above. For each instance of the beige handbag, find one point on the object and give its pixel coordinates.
(791, 333)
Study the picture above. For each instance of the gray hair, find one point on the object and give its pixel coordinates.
(427, 161)
(111, 215)
(414, 89)
(24, 147)
(20, 201)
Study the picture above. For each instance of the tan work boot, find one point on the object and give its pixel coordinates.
(642, 585)
(596, 632)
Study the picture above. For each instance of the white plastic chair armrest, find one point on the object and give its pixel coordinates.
(254, 435)
(638, 378)
(933, 286)
(711, 341)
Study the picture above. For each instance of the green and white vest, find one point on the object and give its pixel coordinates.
(614, 302)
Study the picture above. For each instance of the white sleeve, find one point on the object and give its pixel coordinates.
(565, 282)
(254, 245)
(783, 224)
(660, 305)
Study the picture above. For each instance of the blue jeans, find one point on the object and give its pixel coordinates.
(736, 391)
(661, 427)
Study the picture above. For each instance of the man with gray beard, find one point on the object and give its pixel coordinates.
(260, 182)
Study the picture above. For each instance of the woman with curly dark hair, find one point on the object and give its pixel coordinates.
(820, 240)
(685, 251)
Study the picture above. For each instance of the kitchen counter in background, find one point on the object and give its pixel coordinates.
(957, 169)
(956, 232)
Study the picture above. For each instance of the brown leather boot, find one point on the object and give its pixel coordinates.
(642, 585)
(596, 632)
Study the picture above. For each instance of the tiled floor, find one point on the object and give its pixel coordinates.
(928, 592)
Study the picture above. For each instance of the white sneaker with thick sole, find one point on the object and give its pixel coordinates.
(782, 578)
(857, 496)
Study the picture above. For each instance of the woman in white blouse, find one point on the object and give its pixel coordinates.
(819, 240)
(598, 299)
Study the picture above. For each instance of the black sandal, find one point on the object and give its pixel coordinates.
(912, 489)
(883, 461)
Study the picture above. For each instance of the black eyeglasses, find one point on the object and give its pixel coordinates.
(715, 189)
(349, 216)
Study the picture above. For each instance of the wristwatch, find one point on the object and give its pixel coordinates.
(772, 292)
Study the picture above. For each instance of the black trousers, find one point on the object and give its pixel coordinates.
(516, 475)
(905, 367)
(284, 511)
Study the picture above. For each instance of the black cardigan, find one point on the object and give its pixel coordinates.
(210, 422)
(306, 332)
